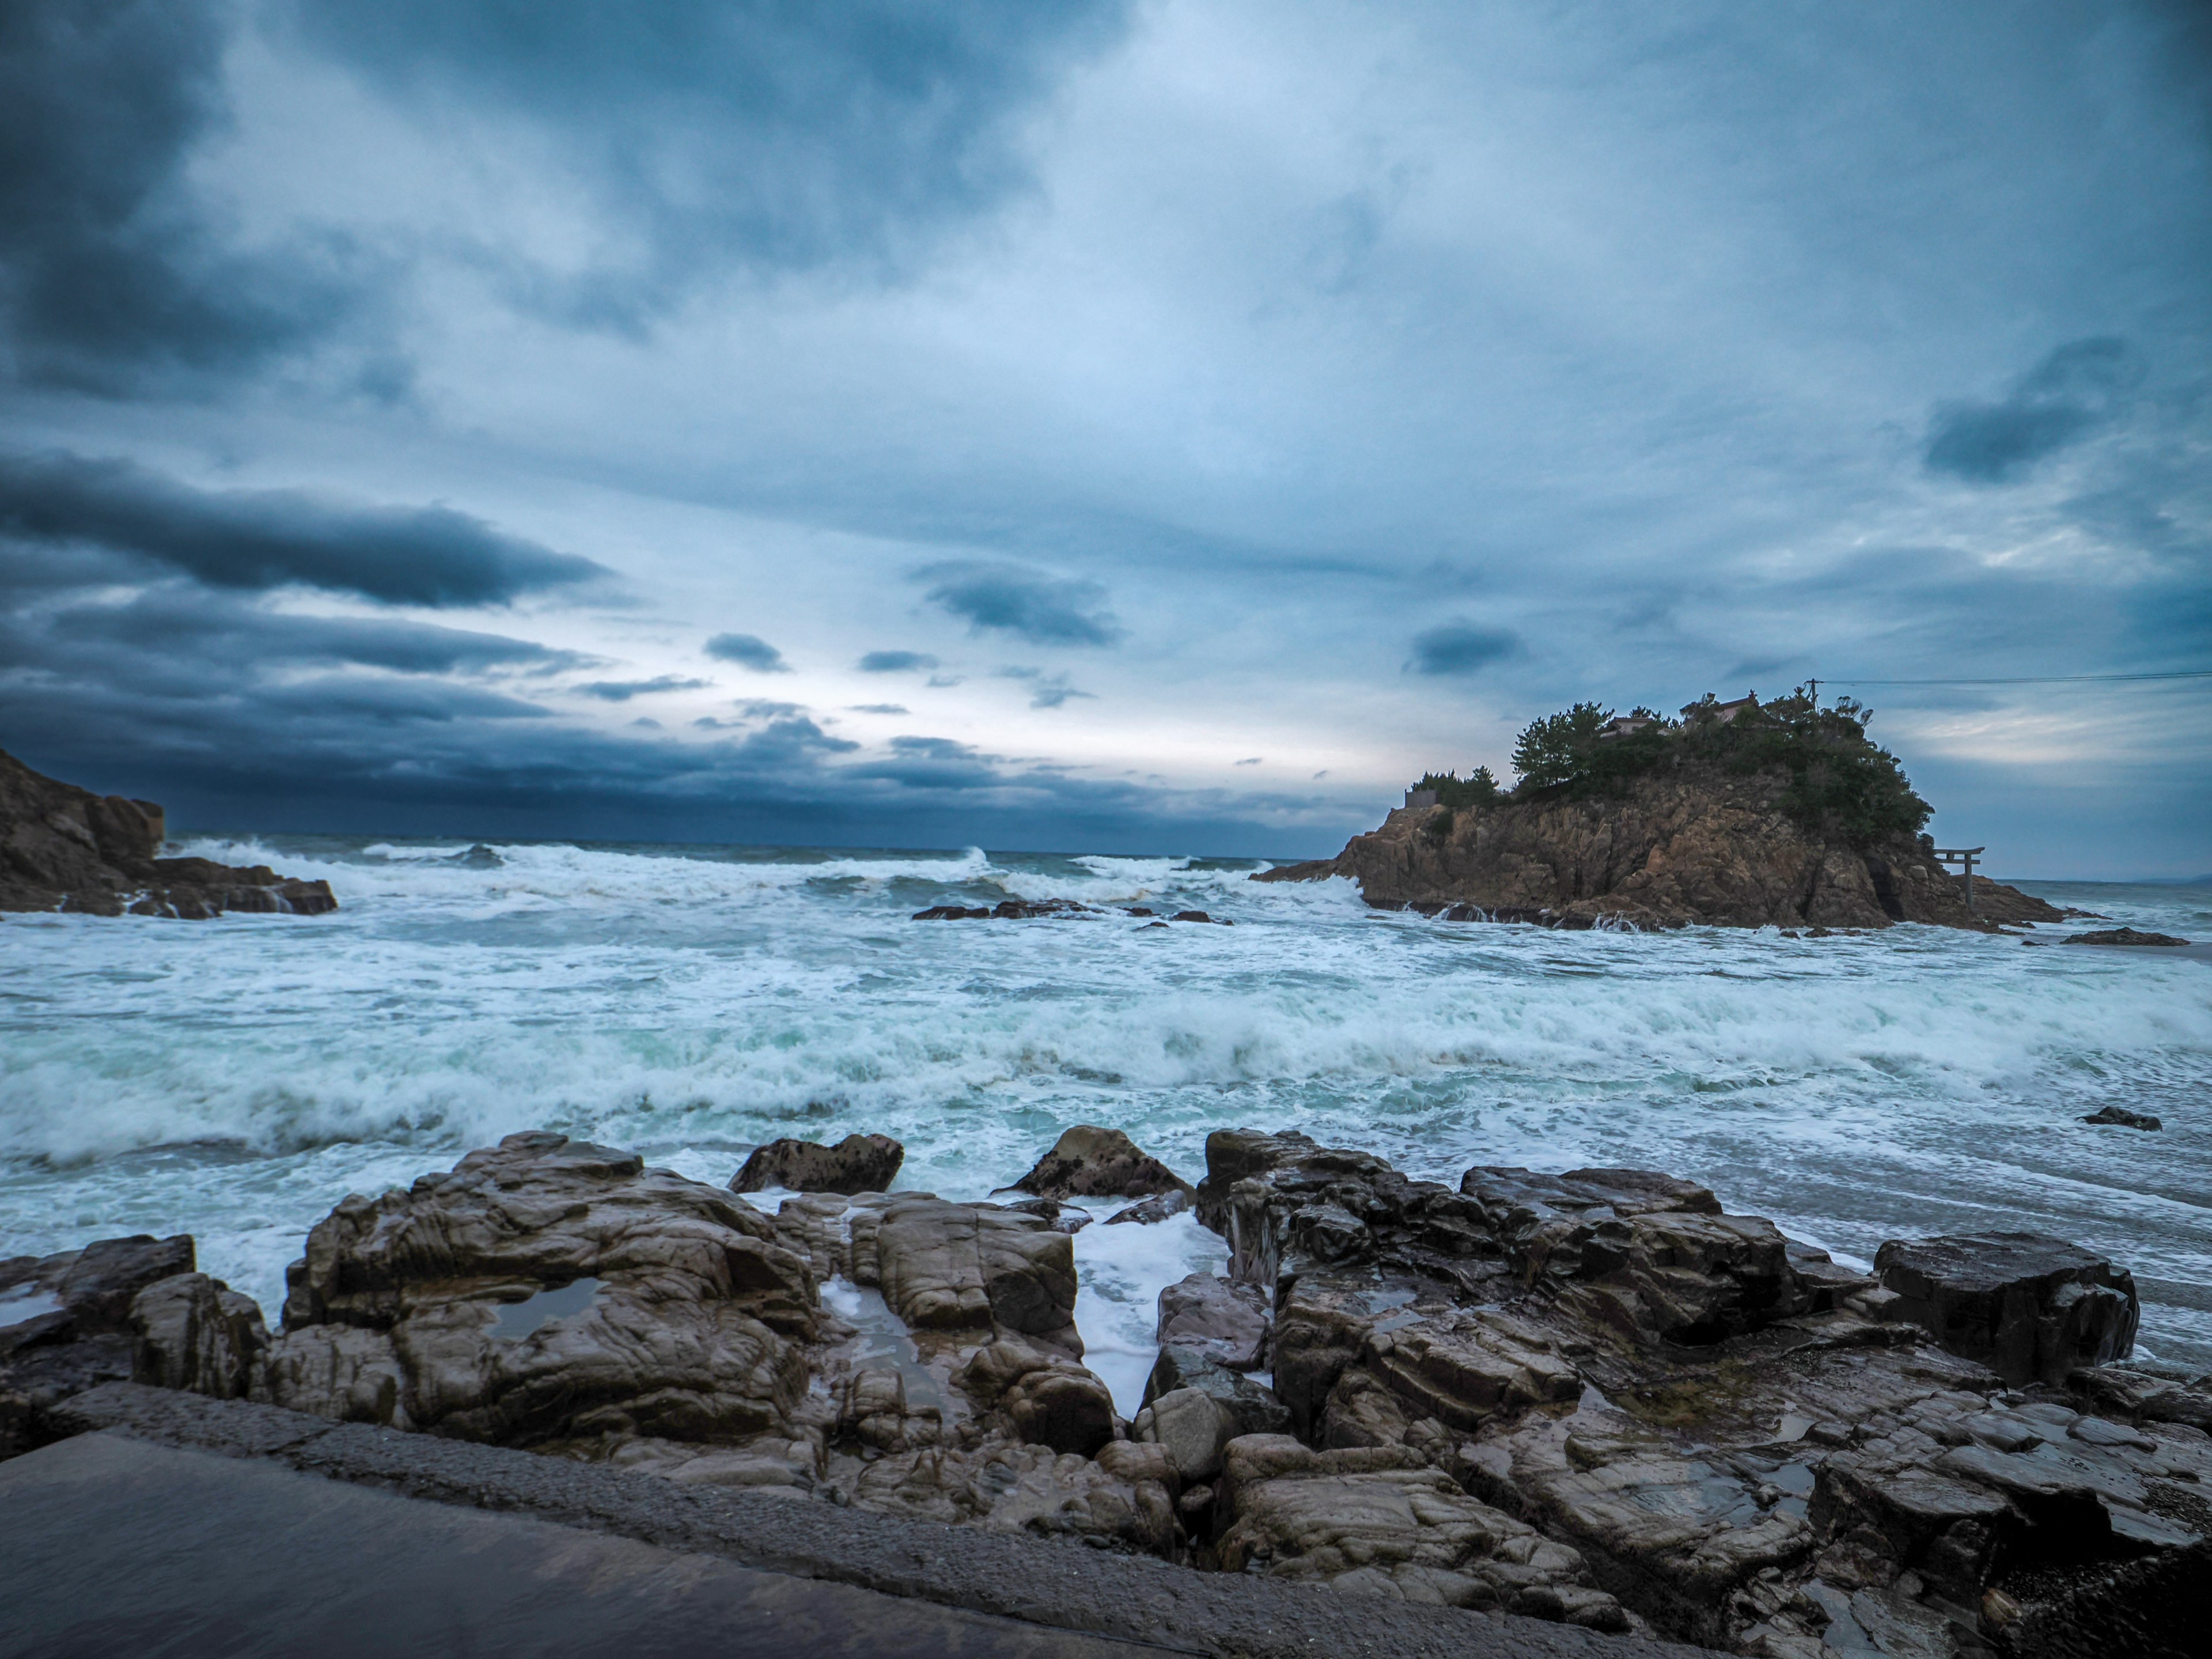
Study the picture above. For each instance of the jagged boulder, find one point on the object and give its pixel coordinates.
(1089, 1162)
(2030, 1308)
(1218, 1318)
(1651, 1252)
(194, 1332)
(66, 1324)
(858, 1164)
(549, 1291)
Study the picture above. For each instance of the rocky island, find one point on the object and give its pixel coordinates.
(1593, 1397)
(1738, 815)
(66, 849)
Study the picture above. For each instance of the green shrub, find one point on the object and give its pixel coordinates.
(1839, 785)
(1476, 789)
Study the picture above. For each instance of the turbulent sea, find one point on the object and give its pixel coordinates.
(234, 1078)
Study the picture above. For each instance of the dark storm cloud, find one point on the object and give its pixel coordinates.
(1012, 599)
(1460, 647)
(2061, 400)
(762, 134)
(623, 690)
(265, 538)
(109, 269)
(897, 662)
(748, 650)
(221, 638)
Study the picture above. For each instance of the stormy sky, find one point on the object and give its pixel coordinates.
(1091, 426)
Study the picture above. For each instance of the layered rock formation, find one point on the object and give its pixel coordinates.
(1594, 1397)
(1703, 846)
(1746, 1444)
(66, 849)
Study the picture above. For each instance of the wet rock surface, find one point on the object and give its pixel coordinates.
(2123, 935)
(1594, 1397)
(66, 849)
(858, 1164)
(2030, 1308)
(1007, 910)
(66, 1324)
(1089, 1162)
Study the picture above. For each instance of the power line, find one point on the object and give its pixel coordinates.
(2043, 679)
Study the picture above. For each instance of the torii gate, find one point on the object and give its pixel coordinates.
(1964, 855)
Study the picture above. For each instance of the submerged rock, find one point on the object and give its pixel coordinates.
(1089, 1162)
(1007, 910)
(858, 1164)
(66, 849)
(2123, 935)
(2120, 1117)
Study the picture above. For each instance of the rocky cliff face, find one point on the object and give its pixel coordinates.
(66, 849)
(1688, 848)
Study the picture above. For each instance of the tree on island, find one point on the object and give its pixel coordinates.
(1836, 783)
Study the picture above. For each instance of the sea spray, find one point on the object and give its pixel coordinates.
(234, 1078)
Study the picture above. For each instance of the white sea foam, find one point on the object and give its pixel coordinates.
(235, 1077)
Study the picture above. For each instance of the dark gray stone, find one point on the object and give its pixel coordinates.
(1249, 1408)
(858, 1164)
(2032, 1309)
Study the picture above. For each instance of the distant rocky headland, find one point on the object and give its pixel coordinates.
(1593, 1397)
(1737, 815)
(66, 849)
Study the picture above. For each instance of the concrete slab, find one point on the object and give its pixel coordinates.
(1054, 1583)
(112, 1548)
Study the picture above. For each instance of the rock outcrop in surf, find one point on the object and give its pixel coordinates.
(66, 849)
(1739, 815)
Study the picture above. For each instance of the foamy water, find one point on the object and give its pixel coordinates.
(234, 1078)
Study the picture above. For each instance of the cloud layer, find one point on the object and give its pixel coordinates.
(398, 405)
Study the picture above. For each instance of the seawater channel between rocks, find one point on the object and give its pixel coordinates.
(236, 1078)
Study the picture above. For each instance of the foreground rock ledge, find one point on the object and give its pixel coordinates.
(1594, 1398)
(66, 849)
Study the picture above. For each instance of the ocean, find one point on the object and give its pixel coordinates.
(236, 1078)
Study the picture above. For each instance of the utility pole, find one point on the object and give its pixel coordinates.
(1815, 685)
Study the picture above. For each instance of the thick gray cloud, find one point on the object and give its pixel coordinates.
(265, 538)
(750, 651)
(1460, 647)
(1010, 598)
(110, 269)
(623, 690)
(2076, 388)
(770, 135)
(1283, 350)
